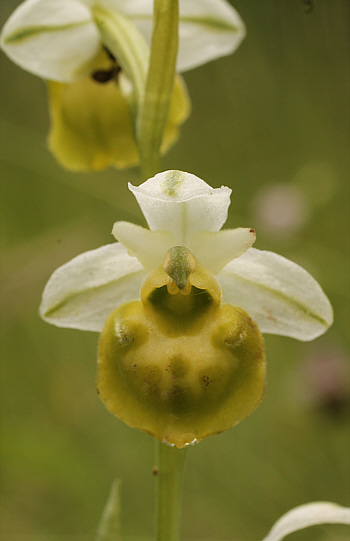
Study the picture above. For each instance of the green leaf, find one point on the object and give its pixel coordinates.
(109, 526)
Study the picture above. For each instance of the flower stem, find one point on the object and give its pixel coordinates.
(170, 462)
(159, 85)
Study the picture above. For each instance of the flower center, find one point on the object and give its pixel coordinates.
(179, 263)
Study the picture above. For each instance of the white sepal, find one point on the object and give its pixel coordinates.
(208, 29)
(279, 295)
(307, 515)
(82, 293)
(182, 204)
(55, 39)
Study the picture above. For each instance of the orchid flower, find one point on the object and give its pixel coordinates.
(183, 210)
(189, 295)
(95, 82)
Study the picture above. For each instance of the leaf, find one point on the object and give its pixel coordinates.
(109, 526)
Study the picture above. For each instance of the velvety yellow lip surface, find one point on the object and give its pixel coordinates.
(180, 366)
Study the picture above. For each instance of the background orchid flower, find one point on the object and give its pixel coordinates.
(182, 210)
(64, 43)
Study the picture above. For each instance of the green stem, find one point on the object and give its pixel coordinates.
(170, 462)
(159, 85)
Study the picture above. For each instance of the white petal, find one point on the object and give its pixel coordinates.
(208, 29)
(55, 39)
(182, 204)
(307, 515)
(215, 250)
(148, 246)
(82, 293)
(281, 297)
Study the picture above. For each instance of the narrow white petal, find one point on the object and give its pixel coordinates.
(182, 204)
(280, 296)
(82, 293)
(208, 29)
(55, 39)
(215, 250)
(307, 515)
(148, 246)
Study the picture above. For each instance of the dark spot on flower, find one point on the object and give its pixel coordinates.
(104, 76)
(206, 380)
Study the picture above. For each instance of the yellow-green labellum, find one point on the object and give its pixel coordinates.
(180, 364)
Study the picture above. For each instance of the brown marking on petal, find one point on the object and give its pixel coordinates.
(206, 380)
(269, 314)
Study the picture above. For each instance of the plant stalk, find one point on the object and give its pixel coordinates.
(159, 85)
(170, 464)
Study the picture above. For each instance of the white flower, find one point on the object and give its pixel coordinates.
(59, 39)
(307, 515)
(181, 209)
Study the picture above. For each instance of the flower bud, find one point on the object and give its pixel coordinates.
(180, 364)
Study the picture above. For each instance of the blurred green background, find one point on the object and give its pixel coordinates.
(271, 122)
